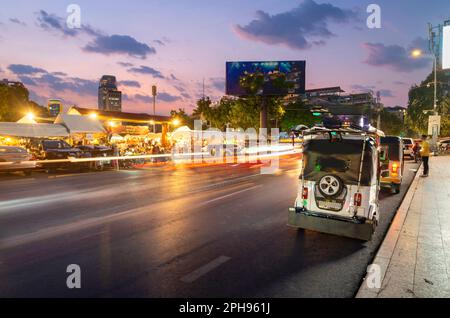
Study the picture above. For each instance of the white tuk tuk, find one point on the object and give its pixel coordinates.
(339, 184)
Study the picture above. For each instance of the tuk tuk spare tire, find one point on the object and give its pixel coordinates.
(330, 186)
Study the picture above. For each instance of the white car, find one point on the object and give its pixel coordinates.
(13, 159)
(408, 145)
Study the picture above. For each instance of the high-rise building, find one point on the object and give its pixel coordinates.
(109, 97)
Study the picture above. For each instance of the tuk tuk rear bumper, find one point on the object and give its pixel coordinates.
(387, 181)
(357, 228)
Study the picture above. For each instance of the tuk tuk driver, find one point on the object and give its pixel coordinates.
(425, 154)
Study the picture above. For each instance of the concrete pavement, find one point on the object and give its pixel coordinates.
(414, 258)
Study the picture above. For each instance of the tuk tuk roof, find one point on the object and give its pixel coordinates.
(370, 131)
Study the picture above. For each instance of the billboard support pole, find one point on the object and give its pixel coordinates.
(263, 113)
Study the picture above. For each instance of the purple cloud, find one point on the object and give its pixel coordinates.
(125, 64)
(395, 57)
(54, 23)
(130, 84)
(21, 69)
(119, 44)
(147, 71)
(166, 97)
(299, 28)
(17, 21)
(143, 98)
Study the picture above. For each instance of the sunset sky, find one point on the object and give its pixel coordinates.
(178, 43)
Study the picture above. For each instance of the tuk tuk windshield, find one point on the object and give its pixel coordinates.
(394, 148)
(341, 158)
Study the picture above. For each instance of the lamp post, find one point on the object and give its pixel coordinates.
(418, 53)
(154, 94)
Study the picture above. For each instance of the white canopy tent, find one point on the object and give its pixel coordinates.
(80, 124)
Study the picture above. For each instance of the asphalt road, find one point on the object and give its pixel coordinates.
(217, 231)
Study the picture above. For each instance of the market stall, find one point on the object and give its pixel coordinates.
(83, 130)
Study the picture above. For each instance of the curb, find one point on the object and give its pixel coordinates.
(386, 250)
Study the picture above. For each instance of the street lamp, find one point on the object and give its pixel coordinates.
(30, 116)
(176, 122)
(93, 115)
(417, 53)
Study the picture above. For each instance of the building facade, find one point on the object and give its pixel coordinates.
(109, 97)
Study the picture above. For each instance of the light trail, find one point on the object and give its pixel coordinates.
(253, 154)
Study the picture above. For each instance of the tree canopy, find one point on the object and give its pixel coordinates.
(15, 103)
(421, 98)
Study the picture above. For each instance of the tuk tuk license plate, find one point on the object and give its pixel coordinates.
(326, 205)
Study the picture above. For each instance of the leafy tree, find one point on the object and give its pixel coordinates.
(297, 113)
(203, 109)
(391, 124)
(421, 98)
(15, 103)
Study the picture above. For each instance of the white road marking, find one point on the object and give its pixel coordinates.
(231, 194)
(205, 269)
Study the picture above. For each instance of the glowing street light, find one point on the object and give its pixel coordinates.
(176, 122)
(93, 115)
(416, 53)
(112, 124)
(30, 116)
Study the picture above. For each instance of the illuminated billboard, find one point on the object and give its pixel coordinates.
(446, 47)
(265, 78)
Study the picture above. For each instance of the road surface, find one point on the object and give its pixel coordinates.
(216, 231)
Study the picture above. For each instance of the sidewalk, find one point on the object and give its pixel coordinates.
(414, 258)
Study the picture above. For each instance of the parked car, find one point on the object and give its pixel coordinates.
(444, 146)
(57, 150)
(97, 152)
(408, 144)
(14, 159)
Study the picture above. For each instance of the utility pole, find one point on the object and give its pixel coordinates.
(379, 108)
(433, 51)
(203, 88)
(154, 94)
(263, 114)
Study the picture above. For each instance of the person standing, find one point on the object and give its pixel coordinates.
(425, 154)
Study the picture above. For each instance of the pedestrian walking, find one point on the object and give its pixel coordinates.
(425, 154)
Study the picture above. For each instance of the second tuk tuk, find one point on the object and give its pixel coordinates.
(339, 184)
(392, 163)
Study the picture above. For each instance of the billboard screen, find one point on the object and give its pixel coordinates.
(446, 47)
(291, 73)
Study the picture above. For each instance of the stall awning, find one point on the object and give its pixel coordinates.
(32, 130)
(80, 124)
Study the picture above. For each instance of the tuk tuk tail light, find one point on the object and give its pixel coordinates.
(394, 169)
(305, 193)
(358, 199)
